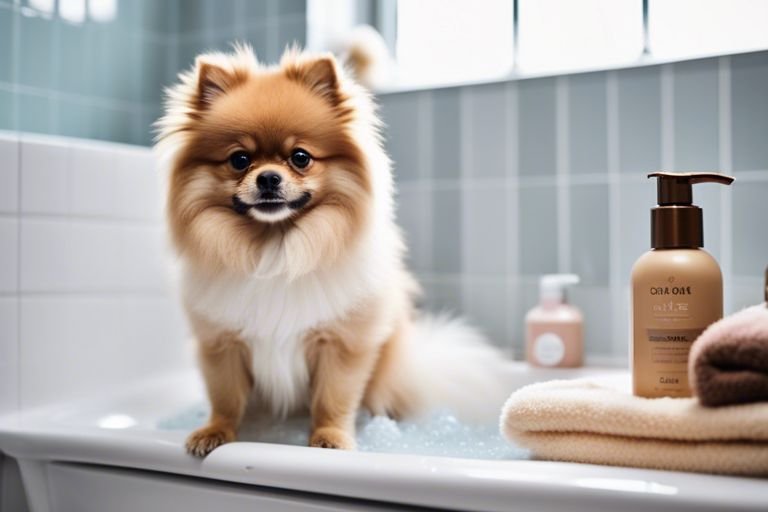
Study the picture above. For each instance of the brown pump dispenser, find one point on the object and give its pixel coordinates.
(676, 222)
(677, 289)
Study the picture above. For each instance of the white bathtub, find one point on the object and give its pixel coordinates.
(107, 455)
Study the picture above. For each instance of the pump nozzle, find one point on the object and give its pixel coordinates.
(552, 286)
(676, 222)
(676, 188)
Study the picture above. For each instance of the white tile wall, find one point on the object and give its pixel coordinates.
(9, 388)
(73, 345)
(9, 172)
(122, 183)
(44, 176)
(88, 178)
(9, 253)
(60, 254)
(143, 186)
(9, 350)
(95, 179)
(85, 303)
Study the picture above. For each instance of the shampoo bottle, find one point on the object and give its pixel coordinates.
(677, 289)
(554, 328)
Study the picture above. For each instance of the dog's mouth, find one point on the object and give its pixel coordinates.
(270, 202)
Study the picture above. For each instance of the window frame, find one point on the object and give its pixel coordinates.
(382, 14)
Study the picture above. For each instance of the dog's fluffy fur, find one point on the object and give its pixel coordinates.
(305, 303)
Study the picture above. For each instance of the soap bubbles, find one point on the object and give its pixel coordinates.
(438, 434)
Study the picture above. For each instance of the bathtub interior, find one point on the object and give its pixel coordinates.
(170, 406)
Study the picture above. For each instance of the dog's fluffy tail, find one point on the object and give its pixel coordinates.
(365, 54)
(448, 365)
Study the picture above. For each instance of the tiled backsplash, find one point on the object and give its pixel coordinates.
(501, 183)
(104, 79)
(84, 286)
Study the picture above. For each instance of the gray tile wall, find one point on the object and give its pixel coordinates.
(104, 80)
(501, 183)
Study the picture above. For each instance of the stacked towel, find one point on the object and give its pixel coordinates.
(583, 421)
(729, 361)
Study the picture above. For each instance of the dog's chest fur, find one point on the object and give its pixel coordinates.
(273, 316)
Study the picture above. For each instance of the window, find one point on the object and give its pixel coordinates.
(102, 10)
(72, 11)
(566, 34)
(441, 41)
(437, 42)
(690, 28)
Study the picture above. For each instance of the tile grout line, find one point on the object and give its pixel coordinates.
(53, 115)
(562, 170)
(138, 120)
(125, 106)
(15, 69)
(196, 36)
(754, 176)
(18, 273)
(667, 117)
(726, 166)
(513, 216)
(612, 129)
(455, 278)
(466, 142)
(426, 159)
(272, 31)
(87, 218)
(107, 292)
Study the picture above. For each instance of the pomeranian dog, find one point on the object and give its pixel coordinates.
(280, 207)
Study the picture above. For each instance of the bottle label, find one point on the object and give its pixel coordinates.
(670, 311)
(671, 346)
(549, 349)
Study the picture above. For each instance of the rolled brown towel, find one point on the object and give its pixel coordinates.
(729, 361)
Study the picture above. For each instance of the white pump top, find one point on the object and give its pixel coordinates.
(552, 287)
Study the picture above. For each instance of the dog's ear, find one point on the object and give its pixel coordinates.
(213, 81)
(320, 75)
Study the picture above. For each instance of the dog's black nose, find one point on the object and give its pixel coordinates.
(268, 181)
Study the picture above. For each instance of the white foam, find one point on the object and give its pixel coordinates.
(440, 434)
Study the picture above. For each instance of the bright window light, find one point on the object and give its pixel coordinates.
(102, 10)
(560, 35)
(449, 41)
(43, 6)
(685, 28)
(72, 10)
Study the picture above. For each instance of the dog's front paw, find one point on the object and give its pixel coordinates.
(204, 440)
(331, 437)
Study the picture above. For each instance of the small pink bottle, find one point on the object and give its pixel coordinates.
(554, 330)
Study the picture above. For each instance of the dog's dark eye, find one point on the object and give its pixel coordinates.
(300, 158)
(239, 160)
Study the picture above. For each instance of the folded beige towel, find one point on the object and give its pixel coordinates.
(603, 423)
